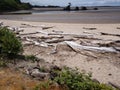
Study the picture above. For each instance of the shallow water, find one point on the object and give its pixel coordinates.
(103, 15)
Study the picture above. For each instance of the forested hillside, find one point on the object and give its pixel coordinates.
(11, 5)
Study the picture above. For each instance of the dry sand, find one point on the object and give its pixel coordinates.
(105, 67)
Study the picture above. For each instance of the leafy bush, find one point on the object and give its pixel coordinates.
(10, 46)
(78, 81)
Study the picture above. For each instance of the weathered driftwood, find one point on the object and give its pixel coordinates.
(114, 85)
(102, 33)
(89, 28)
(58, 40)
(29, 33)
(78, 47)
(42, 44)
(70, 34)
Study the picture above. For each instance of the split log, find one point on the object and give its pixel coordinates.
(78, 47)
(102, 33)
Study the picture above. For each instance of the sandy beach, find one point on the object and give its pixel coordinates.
(104, 66)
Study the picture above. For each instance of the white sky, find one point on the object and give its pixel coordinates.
(74, 2)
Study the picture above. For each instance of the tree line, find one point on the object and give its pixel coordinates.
(12, 5)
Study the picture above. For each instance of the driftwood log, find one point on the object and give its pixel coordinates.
(78, 47)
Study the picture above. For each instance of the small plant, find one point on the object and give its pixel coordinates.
(10, 46)
(78, 81)
(31, 57)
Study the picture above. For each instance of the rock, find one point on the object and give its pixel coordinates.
(39, 75)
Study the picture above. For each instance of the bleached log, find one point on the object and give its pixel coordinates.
(78, 47)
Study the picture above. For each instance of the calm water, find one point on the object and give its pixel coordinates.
(103, 15)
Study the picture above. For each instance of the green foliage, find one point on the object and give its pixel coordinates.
(78, 81)
(10, 46)
(8, 5)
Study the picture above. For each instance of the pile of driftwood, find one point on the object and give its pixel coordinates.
(76, 41)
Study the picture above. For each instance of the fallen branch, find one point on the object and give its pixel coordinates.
(78, 47)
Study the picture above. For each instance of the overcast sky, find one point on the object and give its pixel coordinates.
(75, 2)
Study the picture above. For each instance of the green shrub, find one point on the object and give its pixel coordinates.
(10, 46)
(78, 81)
